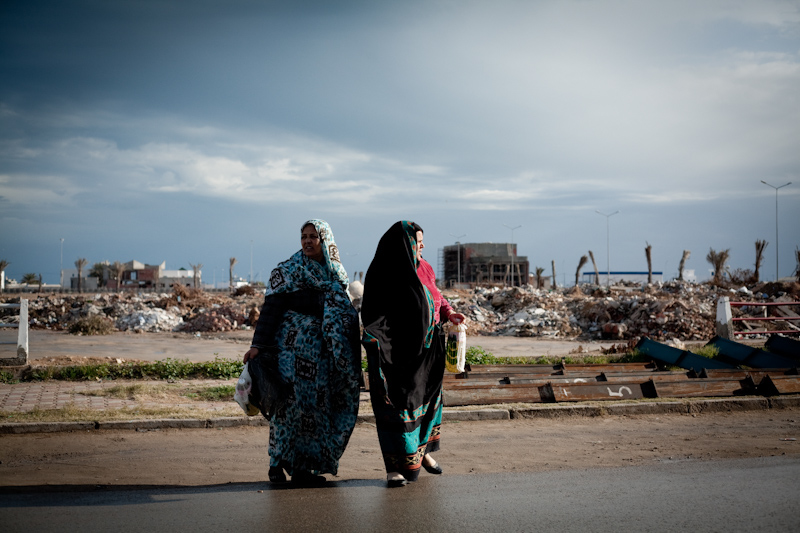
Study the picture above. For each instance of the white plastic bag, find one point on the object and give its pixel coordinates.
(456, 348)
(242, 394)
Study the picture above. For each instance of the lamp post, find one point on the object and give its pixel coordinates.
(61, 272)
(458, 257)
(608, 248)
(512, 250)
(251, 262)
(776, 223)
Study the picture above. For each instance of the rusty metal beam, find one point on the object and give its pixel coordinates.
(484, 376)
(610, 367)
(537, 369)
(577, 392)
(676, 375)
(756, 375)
(773, 385)
(490, 394)
(699, 387)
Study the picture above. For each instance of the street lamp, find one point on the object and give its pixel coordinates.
(776, 223)
(512, 250)
(458, 244)
(61, 272)
(251, 262)
(608, 247)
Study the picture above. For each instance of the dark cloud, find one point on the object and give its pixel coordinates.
(182, 131)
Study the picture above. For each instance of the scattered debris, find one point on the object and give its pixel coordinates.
(674, 312)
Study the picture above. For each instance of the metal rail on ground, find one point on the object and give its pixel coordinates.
(702, 377)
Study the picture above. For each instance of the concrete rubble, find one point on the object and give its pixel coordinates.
(672, 311)
(664, 311)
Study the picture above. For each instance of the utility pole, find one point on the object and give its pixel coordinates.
(513, 250)
(608, 248)
(776, 223)
(61, 272)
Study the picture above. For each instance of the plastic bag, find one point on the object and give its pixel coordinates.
(268, 391)
(242, 395)
(456, 348)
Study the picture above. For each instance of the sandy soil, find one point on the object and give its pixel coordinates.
(216, 456)
(58, 347)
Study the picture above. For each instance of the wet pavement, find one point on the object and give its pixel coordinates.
(724, 495)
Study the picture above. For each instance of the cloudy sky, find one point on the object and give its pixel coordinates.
(191, 132)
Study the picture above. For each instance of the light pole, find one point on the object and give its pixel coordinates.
(61, 272)
(608, 248)
(251, 262)
(776, 223)
(512, 250)
(458, 244)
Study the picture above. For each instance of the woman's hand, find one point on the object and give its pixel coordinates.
(456, 318)
(250, 354)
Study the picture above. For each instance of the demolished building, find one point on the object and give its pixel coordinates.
(483, 263)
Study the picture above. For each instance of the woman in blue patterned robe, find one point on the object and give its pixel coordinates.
(306, 345)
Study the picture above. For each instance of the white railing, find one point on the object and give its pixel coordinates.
(22, 333)
(725, 319)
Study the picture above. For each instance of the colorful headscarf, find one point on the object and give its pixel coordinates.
(329, 276)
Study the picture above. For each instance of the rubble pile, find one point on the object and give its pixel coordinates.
(219, 318)
(149, 319)
(672, 310)
(665, 311)
(182, 310)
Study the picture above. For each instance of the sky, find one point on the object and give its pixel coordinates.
(193, 132)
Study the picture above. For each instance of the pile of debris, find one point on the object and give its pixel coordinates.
(663, 311)
(182, 310)
(218, 318)
(672, 310)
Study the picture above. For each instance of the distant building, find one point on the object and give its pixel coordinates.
(483, 263)
(137, 275)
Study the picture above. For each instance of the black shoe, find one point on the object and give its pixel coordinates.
(276, 474)
(394, 483)
(435, 469)
(307, 479)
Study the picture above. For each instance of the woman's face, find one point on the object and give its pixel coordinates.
(311, 243)
(419, 246)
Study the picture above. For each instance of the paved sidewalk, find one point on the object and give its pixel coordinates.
(52, 394)
(55, 394)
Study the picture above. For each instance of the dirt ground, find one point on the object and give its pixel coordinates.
(86, 460)
(59, 347)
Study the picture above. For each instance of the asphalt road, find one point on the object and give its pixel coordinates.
(726, 496)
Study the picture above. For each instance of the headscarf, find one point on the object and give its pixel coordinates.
(294, 273)
(329, 276)
(397, 312)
